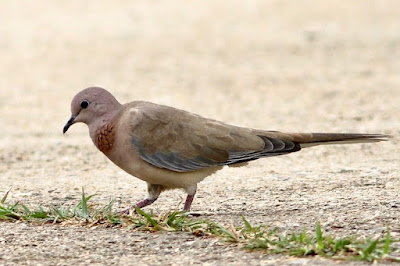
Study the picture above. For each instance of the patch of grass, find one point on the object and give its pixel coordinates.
(272, 241)
(303, 244)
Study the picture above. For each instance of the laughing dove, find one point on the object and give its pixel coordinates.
(171, 148)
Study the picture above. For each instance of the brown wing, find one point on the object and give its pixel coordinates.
(181, 141)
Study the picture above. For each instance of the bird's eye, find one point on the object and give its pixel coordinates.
(84, 104)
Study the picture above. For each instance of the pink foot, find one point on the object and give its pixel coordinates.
(140, 204)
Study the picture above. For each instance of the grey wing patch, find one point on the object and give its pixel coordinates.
(273, 147)
(178, 163)
(174, 161)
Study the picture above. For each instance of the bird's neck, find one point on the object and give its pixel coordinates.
(103, 132)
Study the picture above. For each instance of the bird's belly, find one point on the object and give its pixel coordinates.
(132, 163)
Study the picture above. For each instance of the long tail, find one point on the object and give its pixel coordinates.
(280, 143)
(312, 139)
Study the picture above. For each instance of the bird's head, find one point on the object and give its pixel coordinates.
(90, 105)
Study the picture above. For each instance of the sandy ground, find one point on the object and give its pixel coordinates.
(265, 64)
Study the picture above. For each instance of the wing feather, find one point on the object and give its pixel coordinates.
(181, 141)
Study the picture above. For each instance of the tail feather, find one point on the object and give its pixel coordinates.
(313, 139)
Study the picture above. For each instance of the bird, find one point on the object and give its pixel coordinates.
(169, 148)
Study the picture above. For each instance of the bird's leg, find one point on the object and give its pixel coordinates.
(188, 202)
(153, 190)
(189, 199)
(144, 203)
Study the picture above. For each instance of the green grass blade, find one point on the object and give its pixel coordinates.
(371, 247)
(4, 198)
(26, 209)
(247, 225)
(387, 242)
(7, 213)
(149, 219)
(39, 214)
(366, 253)
(62, 212)
(340, 244)
(172, 219)
(227, 233)
(302, 236)
(84, 205)
(320, 239)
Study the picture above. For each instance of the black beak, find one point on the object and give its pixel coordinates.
(68, 124)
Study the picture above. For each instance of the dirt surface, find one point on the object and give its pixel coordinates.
(265, 64)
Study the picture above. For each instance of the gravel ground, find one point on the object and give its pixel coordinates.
(276, 65)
